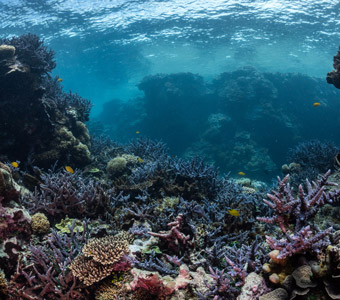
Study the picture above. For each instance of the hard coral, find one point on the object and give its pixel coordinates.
(48, 126)
(40, 223)
(298, 211)
(107, 250)
(45, 274)
(88, 270)
(116, 166)
(32, 51)
(294, 214)
(99, 258)
(174, 237)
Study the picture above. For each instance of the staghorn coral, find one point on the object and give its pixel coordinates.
(62, 193)
(221, 287)
(308, 159)
(293, 215)
(175, 238)
(30, 50)
(298, 211)
(45, 273)
(300, 242)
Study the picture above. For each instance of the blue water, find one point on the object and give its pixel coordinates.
(105, 48)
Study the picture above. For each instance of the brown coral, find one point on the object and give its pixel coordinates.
(88, 270)
(40, 223)
(3, 284)
(100, 257)
(107, 250)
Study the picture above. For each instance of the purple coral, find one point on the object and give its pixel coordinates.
(174, 236)
(46, 273)
(293, 215)
(299, 242)
(221, 287)
(62, 193)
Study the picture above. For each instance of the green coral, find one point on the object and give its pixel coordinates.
(64, 225)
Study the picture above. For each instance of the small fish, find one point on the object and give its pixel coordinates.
(59, 80)
(241, 173)
(69, 169)
(137, 132)
(94, 170)
(14, 164)
(140, 160)
(234, 212)
(315, 104)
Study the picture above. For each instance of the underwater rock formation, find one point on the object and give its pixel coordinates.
(242, 120)
(333, 77)
(38, 120)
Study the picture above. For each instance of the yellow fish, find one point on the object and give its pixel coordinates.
(14, 164)
(137, 132)
(69, 169)
(241, 173)
(59, 80)
(140, 160)
(234, 212)
(315, 104)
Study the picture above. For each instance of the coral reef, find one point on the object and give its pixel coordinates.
(45, 273)
(132, 221)
(233, 111)
(309, 159)
(50, 126)
(333, 77)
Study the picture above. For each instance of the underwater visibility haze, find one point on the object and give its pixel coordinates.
(141, 143)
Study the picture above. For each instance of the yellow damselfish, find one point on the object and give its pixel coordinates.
(241, 173)
(137, 132)
(14, 164)
(69, 169)
(315, 104)
(234, 212)
(59, 80)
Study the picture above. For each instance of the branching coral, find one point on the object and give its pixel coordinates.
(175, 238)
(293, 215)
(46, 273)
(31, 51)
(313, 157)
(221, 288)
(300, 242)
(62, 193)
(68, 103)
